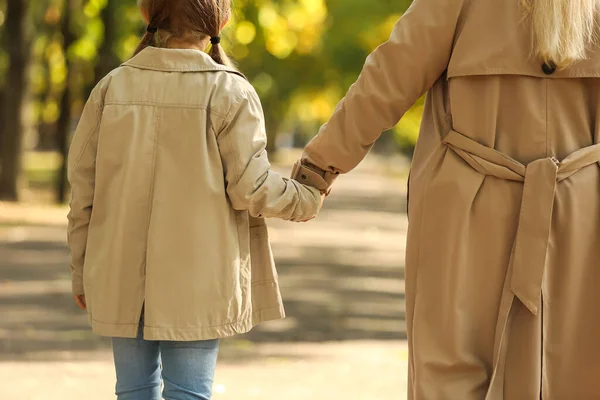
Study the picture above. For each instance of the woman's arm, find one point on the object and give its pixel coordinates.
(251, 184)
(395, 75)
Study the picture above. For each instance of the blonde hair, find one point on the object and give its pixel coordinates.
(563, 30)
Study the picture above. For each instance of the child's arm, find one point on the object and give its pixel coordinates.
(251, 184)
(82, 171)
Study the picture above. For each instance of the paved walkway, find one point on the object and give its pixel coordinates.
(342, 282)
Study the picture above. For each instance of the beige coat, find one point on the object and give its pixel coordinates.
(168, 167)
(503, 262)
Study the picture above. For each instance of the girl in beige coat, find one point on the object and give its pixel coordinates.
(503, 261)
(171, 182)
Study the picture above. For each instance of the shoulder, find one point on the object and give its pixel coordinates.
(239, 88)
(237, 100)
(98, 94)
(235, 91)
(434, 12)
(435, 6)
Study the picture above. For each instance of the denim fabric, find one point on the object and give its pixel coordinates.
(187, 368)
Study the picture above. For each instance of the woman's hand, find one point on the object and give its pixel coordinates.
(80, 301)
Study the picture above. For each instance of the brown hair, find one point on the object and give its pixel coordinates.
(185, 20)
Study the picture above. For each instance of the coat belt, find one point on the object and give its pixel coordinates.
(540, 179)
(528, 259)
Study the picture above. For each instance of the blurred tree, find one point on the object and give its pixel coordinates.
(303, 55)
(41, 91)
(107, 58)
(2, 69)
(18, 45)
(278, 45)
(47, 71)
(64, 120)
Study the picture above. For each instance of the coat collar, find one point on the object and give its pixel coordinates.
(176, 60)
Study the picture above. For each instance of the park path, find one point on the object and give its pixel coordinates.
(342, 280)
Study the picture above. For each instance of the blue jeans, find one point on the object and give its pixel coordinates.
(187, 368)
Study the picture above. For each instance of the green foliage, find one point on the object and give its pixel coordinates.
(406, 132)
(301, 55)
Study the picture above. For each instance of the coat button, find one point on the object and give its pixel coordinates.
(549, 68)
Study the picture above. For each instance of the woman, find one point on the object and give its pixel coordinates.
(171, 181)
(502, 263)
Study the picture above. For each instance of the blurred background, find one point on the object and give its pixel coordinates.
(342, 276)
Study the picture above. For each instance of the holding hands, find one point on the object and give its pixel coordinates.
(313, 176)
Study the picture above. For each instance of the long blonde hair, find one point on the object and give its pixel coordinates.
(563, 30)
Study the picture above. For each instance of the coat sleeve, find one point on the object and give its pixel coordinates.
(81, 174)
(251, 184)
(394, 77)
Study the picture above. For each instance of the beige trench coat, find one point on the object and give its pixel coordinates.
(503, 262)
(168, 168)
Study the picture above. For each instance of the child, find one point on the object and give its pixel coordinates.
(171, 182)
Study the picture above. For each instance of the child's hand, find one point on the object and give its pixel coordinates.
(80, 301)
(323, 196)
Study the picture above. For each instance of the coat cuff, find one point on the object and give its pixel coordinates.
(311, 175)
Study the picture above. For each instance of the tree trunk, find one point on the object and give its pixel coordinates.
(64, 120)
(18, 48)
(2, 128)
(107, 59)
(272, 130)
(47, 134)
(273, 118)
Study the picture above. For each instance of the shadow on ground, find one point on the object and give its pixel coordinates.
(331, 292)
(329, 298)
